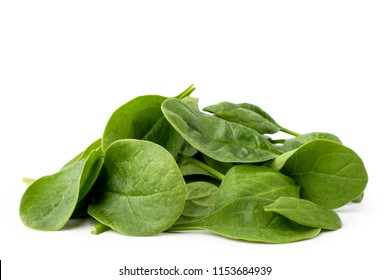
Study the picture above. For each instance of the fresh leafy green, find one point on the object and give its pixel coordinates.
(161, 164)
(248, 115)
(199, 201)
(219, 139)
(261, 122)
(143, 192)
(329, 173)
(142, 118)
(245, 219)
(249, 180)
(305, 212)
(50, 201)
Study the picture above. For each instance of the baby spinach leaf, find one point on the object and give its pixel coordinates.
(247, 115)
(142, 118)
(250, 180)
(305, 212)
(245, 219)
(142, 190)
(219, 139)
(134, 119)
(299, 140)
(50, 201)
(329, 173)
(88, 178)
(199, 201)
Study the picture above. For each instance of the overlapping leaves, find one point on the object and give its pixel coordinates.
(164, 165)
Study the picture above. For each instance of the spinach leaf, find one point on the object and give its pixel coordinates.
(245, 219)
(199, 201)
(299, 140)
(142, 118)
(329, 173)
(50, 201)
(247, 115)
(87, 182)
(134, 119)
(249, 180)
(142, 190)
(305, 212)
(219, 139)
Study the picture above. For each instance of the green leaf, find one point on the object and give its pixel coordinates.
(199, 201)
(329, 173)
(246, 114)
(49, 202)
(249, 180)
(88, 178)
(219, 139)
(245, 219)
(134, 119)
(299, 140)
(305, 212)
(142, 190)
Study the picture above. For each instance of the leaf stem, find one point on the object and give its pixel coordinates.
(288, 131)
(206, 167)
(186, 92)
(99, 228)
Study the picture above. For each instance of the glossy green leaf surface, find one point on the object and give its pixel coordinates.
(245, 219)
(247, 115)
(219, 139)
(143, 191)
(305, 212)
(329, 173)
(249, 180)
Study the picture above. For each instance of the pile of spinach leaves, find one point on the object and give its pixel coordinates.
(162, 164)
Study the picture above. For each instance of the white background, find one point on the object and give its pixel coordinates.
(65, 66)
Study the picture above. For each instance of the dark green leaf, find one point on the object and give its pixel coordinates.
(219, 139)
(134, 119)
(305, 212)
(143, 191)
(249, 180)
(329, 173)
(49, 202)
(245, 114)
(245, 219)
(199, 201)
